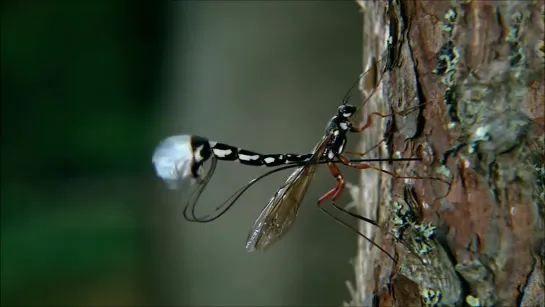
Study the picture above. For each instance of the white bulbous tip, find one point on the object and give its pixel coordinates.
(172, 159)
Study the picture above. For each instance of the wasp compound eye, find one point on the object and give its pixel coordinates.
(347, 110)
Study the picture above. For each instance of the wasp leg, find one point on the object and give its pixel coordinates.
(369, 121)
(344, 160)
(335, 193)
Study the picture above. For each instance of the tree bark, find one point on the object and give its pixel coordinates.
(467, 73)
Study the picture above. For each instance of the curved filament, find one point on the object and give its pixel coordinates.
(191, 204)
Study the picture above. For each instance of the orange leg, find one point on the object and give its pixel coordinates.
(344, 160)
(334, 193)
(363, 154)
(369, 121)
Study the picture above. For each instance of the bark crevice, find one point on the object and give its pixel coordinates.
(473, 66)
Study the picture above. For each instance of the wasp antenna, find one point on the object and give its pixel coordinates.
(347, 94)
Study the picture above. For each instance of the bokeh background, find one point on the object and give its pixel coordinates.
(90, 87)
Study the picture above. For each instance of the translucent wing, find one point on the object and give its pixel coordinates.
(279, 214)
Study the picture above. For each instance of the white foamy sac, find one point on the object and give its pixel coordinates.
(172, 159)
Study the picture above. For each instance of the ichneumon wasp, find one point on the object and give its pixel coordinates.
(183, 156)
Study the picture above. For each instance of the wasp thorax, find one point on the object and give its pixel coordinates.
(347, 110)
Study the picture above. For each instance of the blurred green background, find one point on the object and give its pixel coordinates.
(90, 87)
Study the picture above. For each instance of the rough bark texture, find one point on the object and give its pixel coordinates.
(474, 235)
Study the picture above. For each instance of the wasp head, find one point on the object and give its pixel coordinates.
(347, 110)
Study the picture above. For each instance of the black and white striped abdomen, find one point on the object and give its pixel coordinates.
(181, 156)
(231, 153)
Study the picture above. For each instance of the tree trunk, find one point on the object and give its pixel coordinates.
(471, 230)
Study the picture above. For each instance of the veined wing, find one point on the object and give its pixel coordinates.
(279, 214)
